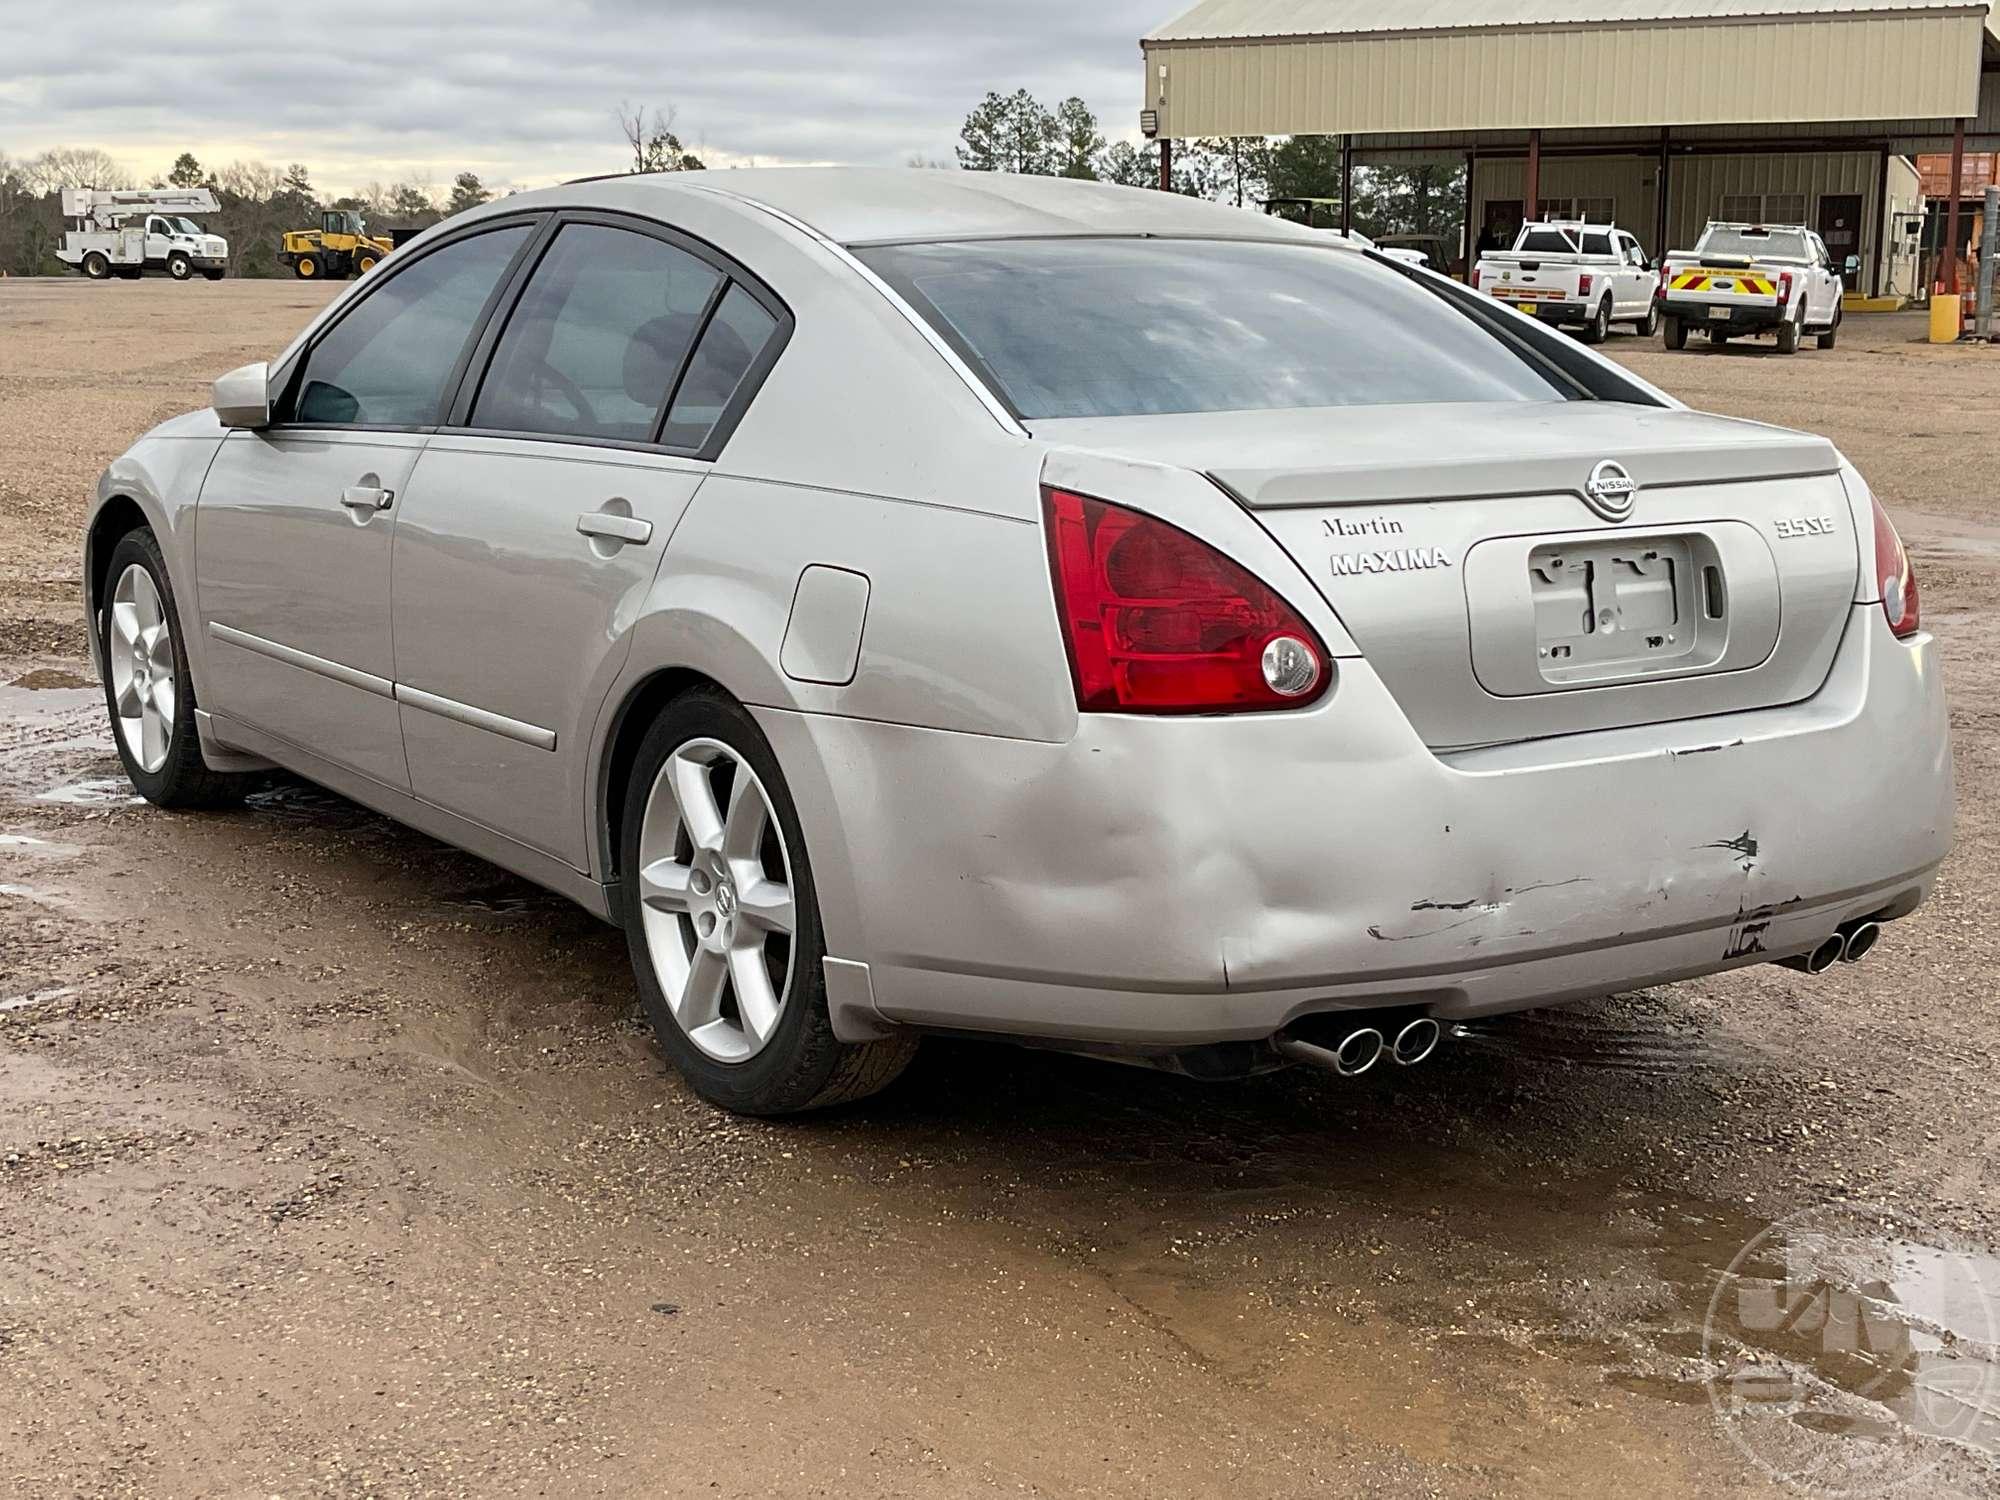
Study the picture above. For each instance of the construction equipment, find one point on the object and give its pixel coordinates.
(123, 231)
(340, 247)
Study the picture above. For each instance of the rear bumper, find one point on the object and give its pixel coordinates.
(1557, 311)
(1155, 884)
(1758, 319)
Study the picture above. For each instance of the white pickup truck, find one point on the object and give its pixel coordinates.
(1748, 279)
(1561, 272)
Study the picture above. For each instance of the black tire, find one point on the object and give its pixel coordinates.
(1649, 325)
(803, 1065)
(179, 266)
(1676, 332)
(213, 275)
(306, 268)
(1718, 336)
(1832, 335)
(96, 267)
(130, 273)
(184, 780)
(1789, 331)
(1598, 329)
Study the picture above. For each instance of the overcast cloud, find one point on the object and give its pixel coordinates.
(522, 91)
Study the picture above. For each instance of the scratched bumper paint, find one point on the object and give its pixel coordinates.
(1170, 882)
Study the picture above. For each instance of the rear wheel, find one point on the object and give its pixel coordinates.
(147, 686)
(306, 268)
(1789, 331)
(723, 923)
(179, 266)
(1649, 325)
(1598, 329)
(96, 267)
(1676, 332)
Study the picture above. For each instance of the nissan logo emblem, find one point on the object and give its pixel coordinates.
(1610, 491)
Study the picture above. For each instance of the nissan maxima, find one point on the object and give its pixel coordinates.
(932, 602)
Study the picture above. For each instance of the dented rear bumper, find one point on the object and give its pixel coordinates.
(1167, 883)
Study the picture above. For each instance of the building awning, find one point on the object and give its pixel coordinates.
(1460, 71)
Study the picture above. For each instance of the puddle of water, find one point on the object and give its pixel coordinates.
(21, 841)
(99, 791)
(302, 802)
(507, 898)
(1586, 1040)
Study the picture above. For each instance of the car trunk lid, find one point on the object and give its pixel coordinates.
(1462, 551)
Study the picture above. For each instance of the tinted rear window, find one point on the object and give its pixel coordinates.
(1547, 242)
(1115, 328)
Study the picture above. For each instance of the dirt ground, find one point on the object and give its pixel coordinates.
(334, 1162)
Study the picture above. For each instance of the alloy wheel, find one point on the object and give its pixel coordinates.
(142, 668)
(716, 900)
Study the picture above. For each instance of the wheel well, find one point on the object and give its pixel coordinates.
(119, 517)
(621, 747)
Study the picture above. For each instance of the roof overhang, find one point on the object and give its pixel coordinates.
(1336, 67)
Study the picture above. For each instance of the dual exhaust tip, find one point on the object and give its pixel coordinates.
(1365, 1046)
(1849, 944)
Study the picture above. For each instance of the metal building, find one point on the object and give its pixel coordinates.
(1663, 112)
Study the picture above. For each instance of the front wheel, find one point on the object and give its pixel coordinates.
(179, 266)
(1598, 329)
(147, 686)
(723, 923)
(1676, 333)
(1832, 335)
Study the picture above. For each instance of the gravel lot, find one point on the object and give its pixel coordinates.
(335, 1162)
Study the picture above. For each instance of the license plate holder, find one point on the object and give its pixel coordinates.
(1616, 608)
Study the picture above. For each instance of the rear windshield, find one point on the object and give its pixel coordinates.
(1133, 327)
(1778, 244)
(1547, 242)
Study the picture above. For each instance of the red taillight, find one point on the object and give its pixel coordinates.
(1475, 278)
(1159, 622)
(1583, 283)
(1663, 280)
(1785, 288)
(1896, 578)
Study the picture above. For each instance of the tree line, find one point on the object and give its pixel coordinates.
(1018, 133)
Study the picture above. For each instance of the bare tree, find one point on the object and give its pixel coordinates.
(655, 147)
(75, 166)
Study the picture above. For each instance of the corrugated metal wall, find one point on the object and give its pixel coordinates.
(1878, 67)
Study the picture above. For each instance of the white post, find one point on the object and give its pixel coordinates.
(1989, 243)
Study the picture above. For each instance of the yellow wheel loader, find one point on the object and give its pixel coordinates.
(340, 247)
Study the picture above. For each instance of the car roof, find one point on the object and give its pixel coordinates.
(877, 205)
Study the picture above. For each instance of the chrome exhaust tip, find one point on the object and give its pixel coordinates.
(1416, 1041)
(1822, 958)
(1861, 940)
(1358, 1051)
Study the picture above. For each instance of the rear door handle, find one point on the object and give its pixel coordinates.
(614, 528)
(366, 498)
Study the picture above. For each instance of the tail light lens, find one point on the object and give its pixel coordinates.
(1475, 278)
(1583, 284)
(1663, 279)
(1158, 622)
(1785, 288)
(1896, 578)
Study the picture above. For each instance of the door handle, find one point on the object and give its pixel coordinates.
(366, 498)
(614, 528)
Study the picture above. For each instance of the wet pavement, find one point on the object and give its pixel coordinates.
(333, 1161)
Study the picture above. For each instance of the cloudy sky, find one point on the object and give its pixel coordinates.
(522, 91)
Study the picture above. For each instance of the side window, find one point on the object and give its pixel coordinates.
(729, 347)
(597, 339)
(386, 362)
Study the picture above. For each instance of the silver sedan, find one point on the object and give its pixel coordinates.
(934, 602)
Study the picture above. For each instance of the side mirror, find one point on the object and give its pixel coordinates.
(242, 398)
(1852, 265)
